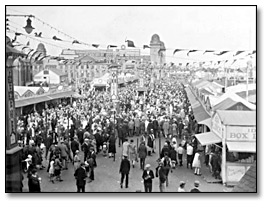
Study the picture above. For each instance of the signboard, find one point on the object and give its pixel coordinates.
(114, 84)
(11, 107)
(217, 126)
(235, 173)
(238, 133)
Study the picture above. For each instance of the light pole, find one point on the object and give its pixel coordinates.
(28, 28)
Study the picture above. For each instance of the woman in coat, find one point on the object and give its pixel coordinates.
(132, 153)
(112, 146)
(76, 160)
(165, 127)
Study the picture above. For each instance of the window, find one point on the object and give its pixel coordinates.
(240, 157)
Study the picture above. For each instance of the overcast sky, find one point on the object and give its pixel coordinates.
(214, 28)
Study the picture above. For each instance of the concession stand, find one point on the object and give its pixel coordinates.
(236, 133)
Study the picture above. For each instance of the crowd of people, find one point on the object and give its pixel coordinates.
(93, 125)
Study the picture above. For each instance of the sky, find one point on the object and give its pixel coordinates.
(184, 27)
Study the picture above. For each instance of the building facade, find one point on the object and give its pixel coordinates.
(22, 72)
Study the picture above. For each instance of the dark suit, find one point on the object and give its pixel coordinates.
(80, 175)
(74, 147)
(148, 180)
(124, 170)
(195, 190)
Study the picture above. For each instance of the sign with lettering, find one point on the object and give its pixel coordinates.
(235, 133)
(114, 84)
(235, 173)
(217, 126)
(11, 107)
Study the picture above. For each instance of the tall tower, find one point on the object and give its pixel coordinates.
(155, 45)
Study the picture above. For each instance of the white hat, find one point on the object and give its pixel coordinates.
(147, 166)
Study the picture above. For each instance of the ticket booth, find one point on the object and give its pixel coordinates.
(237, 132)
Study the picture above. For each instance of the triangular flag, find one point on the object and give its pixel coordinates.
(75, 41)
(15, 38)
(146, 46)
(44, 57)
(33, 54)
(29, 53)
(37, 57)
(191, 51)
(24, 48)
(95, 45)
(238, 52)
(177, 50)
(130, 43)
(18, 34)
(234, 61)
(162, 49)
(253, 52)
(218, 62)
(221, 53)
(111, 46)
(39, 35)
(208, 51)
(56, 38)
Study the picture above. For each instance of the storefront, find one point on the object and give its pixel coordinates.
(236, 130)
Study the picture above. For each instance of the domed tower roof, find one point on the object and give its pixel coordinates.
(41, 48)
(155, 38)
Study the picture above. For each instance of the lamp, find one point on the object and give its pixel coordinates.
(28, 28)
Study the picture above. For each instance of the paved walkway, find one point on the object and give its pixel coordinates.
(107, 177)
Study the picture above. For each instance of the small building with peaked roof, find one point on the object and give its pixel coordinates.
(51, 76)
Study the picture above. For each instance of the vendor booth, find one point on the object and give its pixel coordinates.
(237, 132)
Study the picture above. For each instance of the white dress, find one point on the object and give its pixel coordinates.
(196, 161)
(51, 169)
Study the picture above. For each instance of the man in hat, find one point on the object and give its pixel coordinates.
(150, 142)
(148, 175)
(142, 152)
(124, 170)
(85, 148)
(195, 189)
(160, 173)
(181, 186)
(81, 176)
(74, 145)
(64, 154)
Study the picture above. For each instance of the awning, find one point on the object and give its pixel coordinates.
(208, 138)
(193, 101)
(198, 110)
(206, 122)
(242, 146)
(42, 98)
(200, 114)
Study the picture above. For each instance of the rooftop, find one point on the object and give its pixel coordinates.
(248, 181)
(239, 118)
